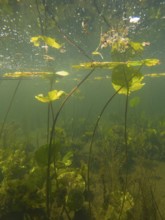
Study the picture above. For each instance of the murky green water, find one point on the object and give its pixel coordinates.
(82, 117)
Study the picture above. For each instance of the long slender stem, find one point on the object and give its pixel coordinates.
(156, 205)
(52, 135)
(101, 14)
(92, 139)
(126, 153)
(9, 107)
(69, 40)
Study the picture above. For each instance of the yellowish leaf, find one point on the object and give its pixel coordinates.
(126, 79)
(51, 96)
(47, 40)
(97, 53)
(36, 41)
(51, 42)
(136, 46)
(151, 62)
(26, 74)
(42, 98)
(155, 75)
(111, 65)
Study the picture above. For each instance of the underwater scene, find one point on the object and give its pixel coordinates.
(82, 113)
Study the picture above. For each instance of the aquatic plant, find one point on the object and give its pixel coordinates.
(126, 77)
(66, 183)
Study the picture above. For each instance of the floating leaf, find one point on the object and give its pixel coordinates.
(126, 79)
(151, 62)
(90, 65)
(25, 74)
(111, 65)
(155, 75)
(47, 40)
(35, 74)
(52, 96)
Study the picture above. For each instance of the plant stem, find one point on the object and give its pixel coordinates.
(52, 135)
(9, 107)
(92, 139)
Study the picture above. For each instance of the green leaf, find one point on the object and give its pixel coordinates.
(151, 62)
(51, 96)
(36, 41)
(51, 42)
(29, 74)
(111, 65)
(67, 159)
(94, 64)
(155, 75)
(26, 74)
(126, 79)
(47, 40)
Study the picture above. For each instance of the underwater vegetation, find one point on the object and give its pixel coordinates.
(23, 170)
(112, 168)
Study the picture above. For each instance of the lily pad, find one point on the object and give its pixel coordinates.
(111, 65)
(126, 79)
(51, 96)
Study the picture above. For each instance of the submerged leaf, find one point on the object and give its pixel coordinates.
(52, 96)
(126, 79)
(35, 41)
(47, 40)
(51, 42)
(67, 159)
